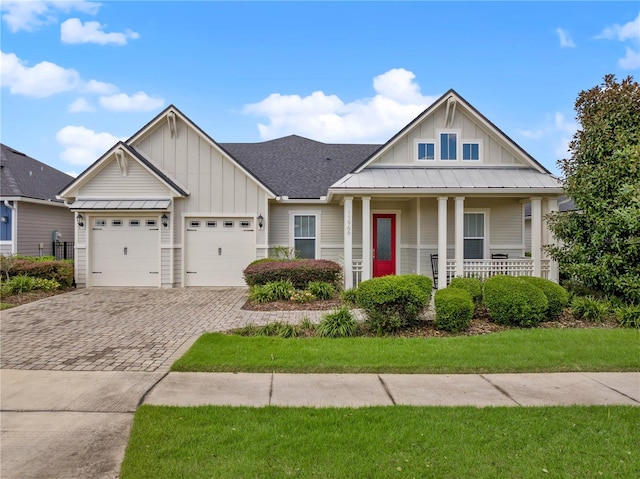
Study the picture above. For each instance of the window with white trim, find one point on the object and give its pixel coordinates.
(471, 151)
(474, 236)
(304, 236)
(449, 146)
(426, 150)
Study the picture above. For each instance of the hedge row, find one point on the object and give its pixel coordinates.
(454, 309)
(299, 272)
(61, 271)
(514, 301)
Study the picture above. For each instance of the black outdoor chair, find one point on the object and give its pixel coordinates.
(434, 269)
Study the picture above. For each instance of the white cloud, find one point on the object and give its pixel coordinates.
(99, 88)
(566, 129)
(328, 118)
(83, 146)
(628, 31)
(80, 106)
(72, 173)
(631, 60)
(74, 31)
(565, 38)
(138, 102)
(29, 15)
(532, 134)
(41, 80)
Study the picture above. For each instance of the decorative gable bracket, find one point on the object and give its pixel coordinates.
(121, 159)
(450, 113)
(171, 120)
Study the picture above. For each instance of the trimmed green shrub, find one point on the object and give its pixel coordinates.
(21, 284)
(61, 271)
(321, 290)
(393, 302)
(454, 309)
(264, 260)
(589, 308)
(628, 316)
(350, 296)
(557, 296)
(274, 291)
(338, 324)
(513, 301)
(299, 272)
(472, 285)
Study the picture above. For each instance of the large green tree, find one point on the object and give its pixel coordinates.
(600, 241)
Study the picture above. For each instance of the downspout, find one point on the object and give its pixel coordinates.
(14, 226)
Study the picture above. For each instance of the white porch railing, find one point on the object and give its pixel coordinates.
(356, 268)
(484, 268)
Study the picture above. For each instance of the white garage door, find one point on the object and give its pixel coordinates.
(125, 251)
(217, 250)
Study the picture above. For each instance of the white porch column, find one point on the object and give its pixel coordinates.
(536, 234)
(554, 273)
(442, 242)
(366, 238)
(348, 242)
(459, 249)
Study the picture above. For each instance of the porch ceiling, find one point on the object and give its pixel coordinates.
(448, 180)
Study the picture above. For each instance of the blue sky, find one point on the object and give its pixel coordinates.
(78, 76)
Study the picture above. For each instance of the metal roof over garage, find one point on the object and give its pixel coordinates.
(436, 180)
(137, 204)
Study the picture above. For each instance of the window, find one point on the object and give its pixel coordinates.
(228, 224)
(474, 235)
(151, 223)
(134, 223)
(116, 222)
(212, 224)
(304, 235)
(245, 224)
(100, 223)
(194, 224)
(426, 151)
(471, 151)
(448, 146)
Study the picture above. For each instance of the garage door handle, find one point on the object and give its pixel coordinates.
(191, 272)
(219, 251)
(125, 251)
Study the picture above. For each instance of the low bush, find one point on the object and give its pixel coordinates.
(350, 297)
(302, 296)
(321, 289)
(61, 271)
(472, 285)
(588, 308)
(513, 301)
(274, 291)
(557, 296)
(263, 260)
(454, 309)
(21, 284)
(393, 302)
(299, 272)
(338, 324)
(628, 316)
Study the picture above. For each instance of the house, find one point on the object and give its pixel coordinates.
(33, 222)
(171, 207)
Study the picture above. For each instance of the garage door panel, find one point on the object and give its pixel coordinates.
(216, 256)
(125, 255)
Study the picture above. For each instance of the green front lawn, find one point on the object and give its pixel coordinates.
(383, 442)
(516, 351)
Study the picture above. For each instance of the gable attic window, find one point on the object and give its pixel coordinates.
(426, 150)
(471, 151)
(448, 146)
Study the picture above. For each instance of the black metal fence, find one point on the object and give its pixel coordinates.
(63, 250)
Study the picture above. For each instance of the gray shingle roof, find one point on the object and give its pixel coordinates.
(23, 176)
(298, 167)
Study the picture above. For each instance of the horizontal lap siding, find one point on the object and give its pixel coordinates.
(36, 223)
(111, 183)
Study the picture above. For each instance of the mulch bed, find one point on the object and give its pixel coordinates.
(31, 296)
(320, 305)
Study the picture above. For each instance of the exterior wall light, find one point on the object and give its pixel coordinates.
(4, 219)
(260, 221)
(80, 220)
(165, 220)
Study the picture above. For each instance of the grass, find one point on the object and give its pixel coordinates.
(517, 351)
(383, 442)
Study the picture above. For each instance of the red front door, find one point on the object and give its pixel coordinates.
(384, 245)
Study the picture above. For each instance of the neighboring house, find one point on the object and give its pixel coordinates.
(32, 219)
(171, 207)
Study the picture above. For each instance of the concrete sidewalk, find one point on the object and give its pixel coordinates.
(361, 390)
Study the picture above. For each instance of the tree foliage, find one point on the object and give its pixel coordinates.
(600, 241)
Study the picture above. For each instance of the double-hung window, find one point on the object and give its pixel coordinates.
(474, 236)
(305, 236)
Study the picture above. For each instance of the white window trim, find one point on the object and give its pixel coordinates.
(318, 215)
(480, 150)
(487, 218)
(420, 141)
(458, 134)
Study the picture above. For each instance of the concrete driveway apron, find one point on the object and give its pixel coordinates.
(76, 366)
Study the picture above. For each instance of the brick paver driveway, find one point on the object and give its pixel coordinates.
(118, 329)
